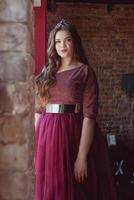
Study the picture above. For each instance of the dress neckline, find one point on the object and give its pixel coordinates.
(71, 69)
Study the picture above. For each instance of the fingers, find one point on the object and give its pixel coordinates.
(80, 176)
(80, 170)
(86, 173)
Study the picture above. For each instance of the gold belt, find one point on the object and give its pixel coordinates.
(61, 108)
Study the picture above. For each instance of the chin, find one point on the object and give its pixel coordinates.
(63, 56)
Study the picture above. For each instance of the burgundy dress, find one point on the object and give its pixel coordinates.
(57, 142)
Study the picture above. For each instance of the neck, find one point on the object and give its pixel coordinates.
(67, 62)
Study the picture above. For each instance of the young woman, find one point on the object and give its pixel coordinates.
(71, 157)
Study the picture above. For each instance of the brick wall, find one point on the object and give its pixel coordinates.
(16, 99)
(108, 39)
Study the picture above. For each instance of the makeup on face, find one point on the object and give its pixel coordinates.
(64, 43)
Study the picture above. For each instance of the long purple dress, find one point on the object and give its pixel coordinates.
(57, 141)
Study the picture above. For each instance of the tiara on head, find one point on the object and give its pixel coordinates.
(61, 23)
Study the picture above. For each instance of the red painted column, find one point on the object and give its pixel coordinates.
(40, 36)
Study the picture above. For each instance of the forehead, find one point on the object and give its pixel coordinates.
(62, 34)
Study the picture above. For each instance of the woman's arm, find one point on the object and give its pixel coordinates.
(90, 109)
(80, 167)
(86, 137)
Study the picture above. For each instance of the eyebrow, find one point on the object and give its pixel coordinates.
(64, 38)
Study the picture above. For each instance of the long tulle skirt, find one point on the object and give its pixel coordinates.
(56, 147)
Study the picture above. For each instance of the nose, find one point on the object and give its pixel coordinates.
(63, 44)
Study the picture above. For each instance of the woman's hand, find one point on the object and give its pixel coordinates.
(80, 166)
(80, 169)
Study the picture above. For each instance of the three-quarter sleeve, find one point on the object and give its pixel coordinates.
(90, 94)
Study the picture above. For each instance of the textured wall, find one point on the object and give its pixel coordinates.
(109, 43)
(16, 99)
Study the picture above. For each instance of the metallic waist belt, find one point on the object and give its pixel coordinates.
(62, 108)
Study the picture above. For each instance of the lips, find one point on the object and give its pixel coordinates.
(63, 50)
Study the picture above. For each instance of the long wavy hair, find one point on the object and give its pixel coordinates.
(47, 77)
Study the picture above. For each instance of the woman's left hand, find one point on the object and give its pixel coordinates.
(80, 169)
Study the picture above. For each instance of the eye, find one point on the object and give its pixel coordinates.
(57, 41)
(69, 39)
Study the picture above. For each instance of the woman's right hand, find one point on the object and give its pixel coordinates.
(40, 104)
(41, 101)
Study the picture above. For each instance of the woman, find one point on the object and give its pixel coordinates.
(71, 156)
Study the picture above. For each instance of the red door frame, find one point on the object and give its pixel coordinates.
(40, 36)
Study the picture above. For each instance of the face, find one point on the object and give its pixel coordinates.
(64, 44)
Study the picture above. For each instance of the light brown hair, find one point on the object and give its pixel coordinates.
(47, 77)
